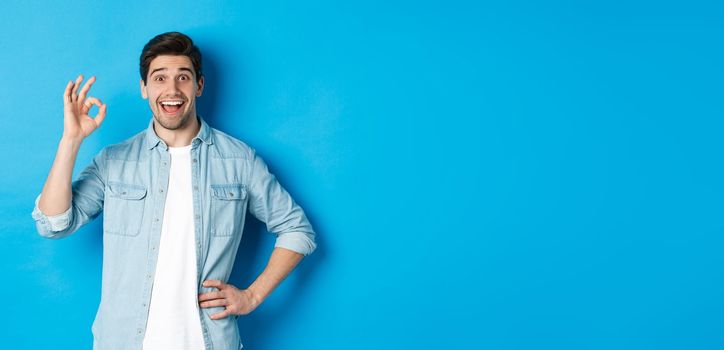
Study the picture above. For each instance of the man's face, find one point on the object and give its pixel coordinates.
(171, 90)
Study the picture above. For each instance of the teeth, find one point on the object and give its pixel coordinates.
(171, 103)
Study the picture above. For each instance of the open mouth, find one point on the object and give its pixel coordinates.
(171, 106)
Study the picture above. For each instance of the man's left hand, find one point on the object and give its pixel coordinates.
(236, 301)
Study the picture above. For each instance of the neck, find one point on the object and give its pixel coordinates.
(179, 137)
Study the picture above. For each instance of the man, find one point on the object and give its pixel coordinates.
(174, 199)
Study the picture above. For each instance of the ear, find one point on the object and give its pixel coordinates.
(144, 93)
(200, 88)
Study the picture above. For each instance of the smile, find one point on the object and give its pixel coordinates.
(171, 106)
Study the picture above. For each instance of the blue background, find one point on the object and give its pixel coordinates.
(482, 175)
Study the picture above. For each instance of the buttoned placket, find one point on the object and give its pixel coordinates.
(198, 222)
(159, 203)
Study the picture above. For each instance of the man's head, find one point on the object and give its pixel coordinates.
(171, 79)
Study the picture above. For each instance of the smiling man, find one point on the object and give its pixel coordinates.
(174, 198)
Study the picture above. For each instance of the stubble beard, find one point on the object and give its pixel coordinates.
(182, 122)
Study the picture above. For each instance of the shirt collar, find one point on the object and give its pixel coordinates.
(152, 140)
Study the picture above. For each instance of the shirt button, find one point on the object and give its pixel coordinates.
(149, 276)
(194, 160)
(160, 191)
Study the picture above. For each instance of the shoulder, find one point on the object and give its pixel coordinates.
(129, 149)
(227, 146)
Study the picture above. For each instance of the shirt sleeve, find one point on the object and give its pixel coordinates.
(272, 204)
(51, 223)
(87, 195)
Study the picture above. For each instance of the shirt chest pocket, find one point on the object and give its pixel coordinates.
(123, 209)
(228, 209)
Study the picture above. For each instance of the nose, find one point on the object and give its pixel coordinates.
(174, 86)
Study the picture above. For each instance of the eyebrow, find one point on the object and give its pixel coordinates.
(181, 69)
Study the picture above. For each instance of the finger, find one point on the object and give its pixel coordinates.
(214, 283)
(66, 94)
(101, 115)
(222, 314)
(215, 302)
(89, 102)
(211, 296)
(73, 95)
(85, 88)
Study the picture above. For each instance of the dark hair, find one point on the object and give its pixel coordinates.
(171, 43)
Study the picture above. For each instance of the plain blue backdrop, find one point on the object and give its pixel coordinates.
(482, 175)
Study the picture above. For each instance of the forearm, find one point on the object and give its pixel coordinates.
(281, 263)
(57, 192)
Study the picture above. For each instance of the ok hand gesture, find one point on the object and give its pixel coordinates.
(77, 124)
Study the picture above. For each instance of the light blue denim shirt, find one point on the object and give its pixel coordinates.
(128, 182)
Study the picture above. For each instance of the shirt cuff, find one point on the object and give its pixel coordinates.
(296, 241)
(53, 223)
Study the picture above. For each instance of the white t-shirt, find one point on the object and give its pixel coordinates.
(173, 316)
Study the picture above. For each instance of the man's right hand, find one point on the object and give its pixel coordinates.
(77, 124)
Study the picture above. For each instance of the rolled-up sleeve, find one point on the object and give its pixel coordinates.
(86, 203)
(50, 223)
(272, 204)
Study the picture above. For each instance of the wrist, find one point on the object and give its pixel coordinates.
(71, 141)
(256, 297)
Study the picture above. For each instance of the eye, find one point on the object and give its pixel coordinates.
(183, 77)
(158, 78)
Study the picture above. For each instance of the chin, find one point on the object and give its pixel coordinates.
(173, 124)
